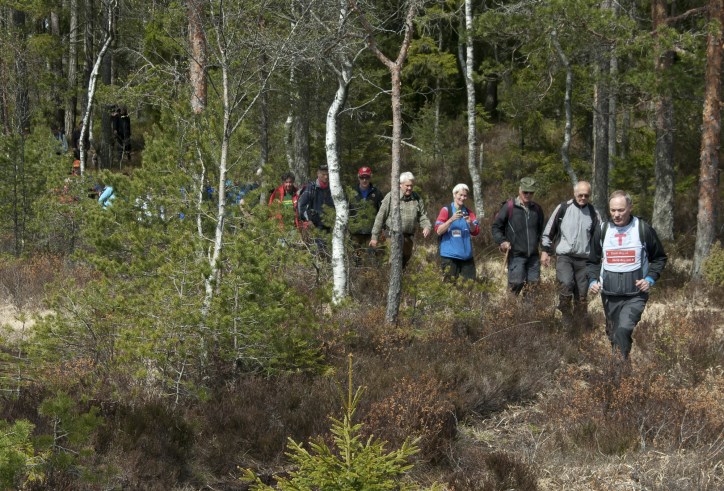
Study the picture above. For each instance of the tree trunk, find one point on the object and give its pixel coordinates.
(663, 214)
(263, 134)
(613, 98)
(471, 110)
(57, 67)
(71, 98)
(600, 144)
(706, 219)
(394, 292)
(300, 129)
(92, 89)
(22, 102)
(197, 55)
(339, 269)
(625, 129)
(612, 110)
(106, 151)
(566, 145)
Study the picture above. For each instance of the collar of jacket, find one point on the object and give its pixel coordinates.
(407, 198)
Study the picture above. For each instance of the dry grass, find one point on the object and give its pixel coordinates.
(500, 396)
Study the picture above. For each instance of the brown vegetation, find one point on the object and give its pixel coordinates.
(499, 396)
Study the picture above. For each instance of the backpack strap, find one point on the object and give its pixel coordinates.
(562, 212)
(449, 214)
(510, 209)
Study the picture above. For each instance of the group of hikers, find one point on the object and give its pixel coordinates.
(621, 257)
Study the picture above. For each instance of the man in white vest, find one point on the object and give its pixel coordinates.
(625, 261)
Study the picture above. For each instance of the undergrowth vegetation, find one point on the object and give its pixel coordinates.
(124, 384)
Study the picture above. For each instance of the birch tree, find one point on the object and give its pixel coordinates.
(471, 110)
(341, 62)
(91, 90)
(197, 56)
(232, 44)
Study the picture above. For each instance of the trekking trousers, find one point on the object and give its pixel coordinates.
(622, 315)
(572, 281)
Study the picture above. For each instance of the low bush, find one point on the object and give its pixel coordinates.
(713, 266)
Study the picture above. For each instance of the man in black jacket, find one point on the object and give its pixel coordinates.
(625, 260)
(517, 229)
(316, 207)
(364, 203)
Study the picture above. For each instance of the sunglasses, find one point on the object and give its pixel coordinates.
(364, 178)
(582, 195)
(528, 192)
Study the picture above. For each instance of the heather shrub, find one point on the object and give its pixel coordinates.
(612, 412)
(351, 463)
(684, 343)
(249, 420)
(713, 266)
(417, 408)
(23, 281)
(148, 445)
(482, 470)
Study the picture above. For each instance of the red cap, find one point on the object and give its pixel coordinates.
(364, 171)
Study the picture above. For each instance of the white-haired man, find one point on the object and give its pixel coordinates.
(567, 235)
(412, 213)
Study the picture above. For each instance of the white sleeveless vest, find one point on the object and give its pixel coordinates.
(623, 248)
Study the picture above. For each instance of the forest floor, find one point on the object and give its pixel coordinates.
(559, 437)
(518, 429)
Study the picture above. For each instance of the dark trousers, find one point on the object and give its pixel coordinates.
(522, 271)
(572, 283)
(622, 315)
(452, 268)
(361, 250)
(407, 245)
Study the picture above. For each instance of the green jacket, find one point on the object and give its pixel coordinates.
(412, 212)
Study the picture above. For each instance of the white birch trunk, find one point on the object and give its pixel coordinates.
(214, 256)
(472, 127)
(339, 263)
(92, 86)
(339, 232)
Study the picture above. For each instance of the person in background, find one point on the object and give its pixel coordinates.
(284, 198)
(364, 203)
(412, 214)
(124, 134)
(568, 236)
(517, 229)
(456, 225)
(625, 261)
(106, 196)
(315, 206)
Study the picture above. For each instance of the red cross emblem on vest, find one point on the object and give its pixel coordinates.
(620, 238)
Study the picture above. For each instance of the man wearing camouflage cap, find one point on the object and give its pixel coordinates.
(517, 229)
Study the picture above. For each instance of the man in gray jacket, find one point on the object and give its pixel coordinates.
(568, 236)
